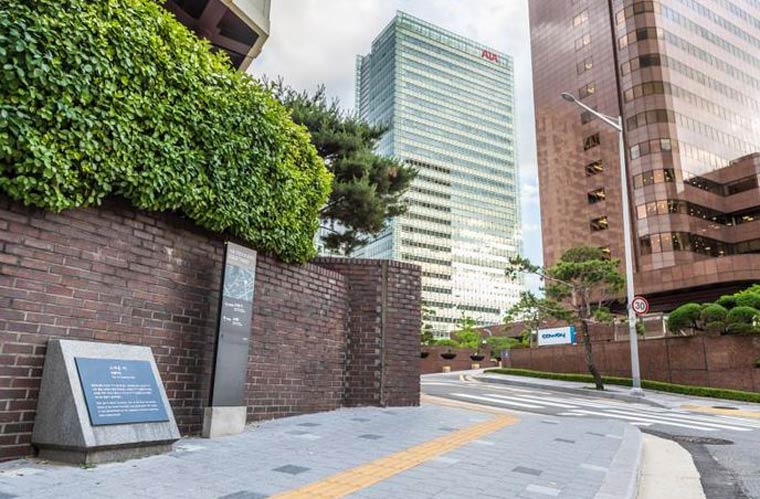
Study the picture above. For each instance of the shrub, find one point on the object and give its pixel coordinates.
(499, 343)
(726, 301)
(757, 362)
(713, 316)
(446, 342)
(118, 98)
(713, 312)
(745, 299)
(684, 317)
(742, 315)
(468, 339)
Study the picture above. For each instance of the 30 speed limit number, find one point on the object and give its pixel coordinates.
(640, 305)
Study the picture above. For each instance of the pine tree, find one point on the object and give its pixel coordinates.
(367, 188)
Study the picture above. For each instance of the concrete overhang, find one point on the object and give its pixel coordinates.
(238, 27)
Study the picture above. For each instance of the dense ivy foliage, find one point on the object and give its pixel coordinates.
(115, 97)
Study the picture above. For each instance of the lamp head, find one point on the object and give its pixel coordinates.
(568, 96)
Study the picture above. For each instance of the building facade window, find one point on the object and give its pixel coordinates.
(585, 65)
(594, 168)
(591, 141)
(580, 18)
(583, 41)
(596, 196)
(600, 223)
(587, 90)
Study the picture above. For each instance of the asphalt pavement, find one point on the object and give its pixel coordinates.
(725, 448)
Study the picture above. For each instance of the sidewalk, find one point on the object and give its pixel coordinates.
(660, 399)
(432, 451)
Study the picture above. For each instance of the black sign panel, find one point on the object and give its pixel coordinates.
(120, 391)
(234, 334)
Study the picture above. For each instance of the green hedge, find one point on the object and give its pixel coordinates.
(698, 391)
(115, 97)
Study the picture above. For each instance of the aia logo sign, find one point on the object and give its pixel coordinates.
(489, 55)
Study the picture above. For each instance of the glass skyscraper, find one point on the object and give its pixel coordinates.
(448, 103)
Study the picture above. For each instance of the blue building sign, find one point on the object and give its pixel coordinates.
(120, 391)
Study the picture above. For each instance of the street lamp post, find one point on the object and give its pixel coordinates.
(617, 124)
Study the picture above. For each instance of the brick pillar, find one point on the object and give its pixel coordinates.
(382, 355)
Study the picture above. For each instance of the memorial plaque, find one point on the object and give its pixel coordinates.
(235, 312)
(101, 402)
(120, 391)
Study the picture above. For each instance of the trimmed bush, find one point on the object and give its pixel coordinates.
(118, 98)
(712, 313)
(684, 317)
(697, 391)
(742, 315)
(726, 301)
(751, 300)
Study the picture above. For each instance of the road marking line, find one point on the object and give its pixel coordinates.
(679, 419)
(594, 467)
(536, 400)
(352, 480)
(642, 419)
(724, 412)
(717, 418)
(498, 401)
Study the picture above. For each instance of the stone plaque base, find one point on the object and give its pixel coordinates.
(63, 429)
(100, 456)
(222, 421)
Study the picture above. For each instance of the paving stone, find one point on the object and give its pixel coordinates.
(527, 471)
(203, 469)
(244, 494)
(540, 489)
(291, 469)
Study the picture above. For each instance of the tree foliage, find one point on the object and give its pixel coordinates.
(576, 288)
(738, 313)
(367, 188)
(426, 334)
(467, 335)
(118, 98)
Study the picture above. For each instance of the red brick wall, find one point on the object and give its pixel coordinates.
(115, 274)
(720, 361)
(383, 349)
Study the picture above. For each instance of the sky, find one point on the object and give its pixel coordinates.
(316, 42)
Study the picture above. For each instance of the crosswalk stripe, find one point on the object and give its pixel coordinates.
(498, 401)
(712, 419)
(643, 419)
(687, 420)
(536, 400)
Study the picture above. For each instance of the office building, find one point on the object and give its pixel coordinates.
(685, 76)
(237, 27)
(448, 103)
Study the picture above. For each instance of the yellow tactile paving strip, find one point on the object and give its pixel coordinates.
(352, 480)
(725, 412)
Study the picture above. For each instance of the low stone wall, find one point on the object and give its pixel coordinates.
(718, 362)
(340, 332)
(434, 363)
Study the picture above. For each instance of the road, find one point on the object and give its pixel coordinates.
(725, 449)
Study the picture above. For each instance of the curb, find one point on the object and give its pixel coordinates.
(622, 478)
(567, 389)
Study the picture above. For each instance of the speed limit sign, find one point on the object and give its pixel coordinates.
(640, 305)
